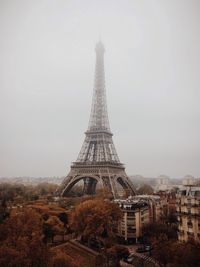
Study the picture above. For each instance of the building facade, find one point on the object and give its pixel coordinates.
(155, 206)
(188, 211)
(168, 204)
(162, 183)
(137, 211)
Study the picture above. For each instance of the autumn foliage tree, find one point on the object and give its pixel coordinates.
(167, 250)
(21, 241)
(117, 253)
(186, 254)
(145, 189)
(4, 211)
(53, 226)
(176, 254)
(152, 230)
(95, 219)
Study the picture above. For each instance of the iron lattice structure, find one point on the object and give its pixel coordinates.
(98, 162)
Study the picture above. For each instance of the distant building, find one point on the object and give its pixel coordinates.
(162, 183)
(137, 211)
(189, 180)
(188, 210)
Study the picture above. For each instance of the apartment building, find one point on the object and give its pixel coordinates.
(137, 211)
(155, 205)
(188, 211)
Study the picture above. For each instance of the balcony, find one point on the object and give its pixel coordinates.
(195, 205)
(129, 222)
(189, 213)
(131, 230)
(196, 214)
(131, 235)
(130, 226)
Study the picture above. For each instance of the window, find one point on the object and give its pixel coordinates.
(189, 210)
(197, 193)
(183, 192)
(189, 223)
(131, 230)
(131, 214)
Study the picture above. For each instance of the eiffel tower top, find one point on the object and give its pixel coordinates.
(99, 116)
(98, 146)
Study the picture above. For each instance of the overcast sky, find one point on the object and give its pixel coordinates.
(152, 64)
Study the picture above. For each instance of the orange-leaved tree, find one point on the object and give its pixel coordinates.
(21, 241)
(53, 226)
(95, 219)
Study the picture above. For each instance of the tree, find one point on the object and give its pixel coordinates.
(52, 227)
(8, 191)
(4, 211)
(145, 189)
(45, 188)
(167, 251)
(166, 248)
(186, 254)
(63, 218)
(10, 257)
(151, 231)
(163, 249)
(117, 253)
(95, 219)
(104, 192)
(48, 232)
(163, 238)
(21, 241)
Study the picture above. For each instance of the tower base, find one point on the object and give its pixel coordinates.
(110, 178)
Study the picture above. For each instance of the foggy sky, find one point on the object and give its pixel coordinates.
(152, 64)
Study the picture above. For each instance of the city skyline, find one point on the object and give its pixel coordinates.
(151, 61)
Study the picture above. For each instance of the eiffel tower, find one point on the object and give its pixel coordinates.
(98, 163)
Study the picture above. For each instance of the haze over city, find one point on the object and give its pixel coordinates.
(152, 63)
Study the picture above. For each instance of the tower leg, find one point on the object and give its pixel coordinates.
(113, 181)
(89, 186)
